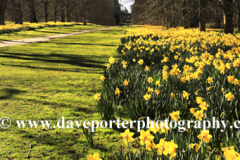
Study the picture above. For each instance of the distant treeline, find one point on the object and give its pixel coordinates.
(188, 13)
(104, 12)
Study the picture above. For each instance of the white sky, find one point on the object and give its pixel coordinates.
(127, 4)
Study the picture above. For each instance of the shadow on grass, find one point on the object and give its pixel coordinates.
(3, 40)
(51, 32)
(10, 92)
(92, 71)
(87, 44)
(77, 110)
(63, 143)
(78, 60)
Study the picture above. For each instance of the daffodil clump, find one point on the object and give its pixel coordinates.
(177, 74)
(9, 28)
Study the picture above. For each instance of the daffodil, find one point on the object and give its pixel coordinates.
(204, 105)
(140, 62)
(150, 90)
(198, 115)
(172, 95)
(150, 147)
(229, 96)
(150, 80)
(171, 148)
(199, 100)
(147, 68)
(117, 92)
(147, 96)
(102, 78)
(157, 92)
(161, 147)
(205, 136)
(127, 136)
(158, 83)
(196, 146)
(153, 127)
(111, 60)
(97, 96)
(210, 80)
(145, 137)
(185, 95)
(126, 82)
(164, 128)
(175, 115)
(95, 156)
(193, 110)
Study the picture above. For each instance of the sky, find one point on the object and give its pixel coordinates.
(127, 4)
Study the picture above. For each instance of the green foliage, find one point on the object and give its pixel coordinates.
(89, 136)
(130, 102)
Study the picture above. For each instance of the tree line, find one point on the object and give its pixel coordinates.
(188, 13)
(104, 12)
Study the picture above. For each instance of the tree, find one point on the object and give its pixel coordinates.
(2, 11)
(16, 11)
(45, 3)
(238, 11)
(69, 8)
(184, 12)
(117, 11)
(228, 15)
(33, 16)
(55, 6)
(202, 15)
(105, 12)
(62, 2)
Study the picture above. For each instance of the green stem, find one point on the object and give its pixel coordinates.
(128, 148)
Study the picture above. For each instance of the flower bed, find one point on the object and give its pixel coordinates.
(9, 28)
(176, 74)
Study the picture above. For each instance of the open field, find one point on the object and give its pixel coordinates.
(175, 74)
(47, 31)
(50, 80)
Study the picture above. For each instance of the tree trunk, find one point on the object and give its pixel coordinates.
(239, 20)
(68, 11)
(228, 28)
(2, 11)
(12, 10)
(33, 17)
(202, 15)
(68, 17)
(184, 12)
(46, 10)
(62, 11)
(228, 12)
(18, 12)
(55, 11)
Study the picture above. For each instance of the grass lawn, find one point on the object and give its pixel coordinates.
(46, 31)
(50, 80)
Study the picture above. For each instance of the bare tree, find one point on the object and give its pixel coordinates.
(105, 12)
(69, 8)
(202, 15)
(16, 11)
(33, 16)
(228, 14)
(62, 2)
(2, 11)
(46, 4)
(238, 11)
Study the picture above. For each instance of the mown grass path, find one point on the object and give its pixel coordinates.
(47, 38)
(50, 80)
(47, 31)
